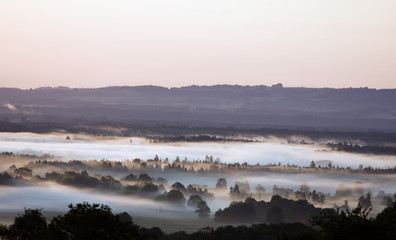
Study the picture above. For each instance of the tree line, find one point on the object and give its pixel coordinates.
(97, 221)
(365, 149)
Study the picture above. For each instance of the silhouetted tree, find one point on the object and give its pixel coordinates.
(365, 202)
(221, 183)
(144, 177)
(318, 198)
(130, 177)
(6, 179)
(345, 207)
(86, 221)
(110, 182)
(178, 186)
(237, 212)
(173, 196)
(29, 226)
(176, 196)
(312, 165)
(153, 233)
(385, 222)
(194, 200)
(131, 189)
(149, 187)
(23, 171)
(283, 192)
(234, 189)
(346, 225)
(202, 209)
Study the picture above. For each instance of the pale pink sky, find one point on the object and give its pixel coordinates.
(96, 43)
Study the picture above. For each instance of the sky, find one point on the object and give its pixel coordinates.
(172, 43)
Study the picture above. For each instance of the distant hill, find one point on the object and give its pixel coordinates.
(220, 105)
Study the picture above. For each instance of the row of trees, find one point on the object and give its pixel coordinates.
(208, 165)
(144, 185)
(275, 211)
(82, 221)
(366, 149)
(95, 221)
(196, 138)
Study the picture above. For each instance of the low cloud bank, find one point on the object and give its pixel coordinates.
(230, 152)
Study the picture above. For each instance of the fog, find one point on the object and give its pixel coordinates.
(88, 148)
(54, 197)
(54, 200)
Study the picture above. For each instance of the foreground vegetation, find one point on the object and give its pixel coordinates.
(95, 221)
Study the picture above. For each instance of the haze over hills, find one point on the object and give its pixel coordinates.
(359, 109)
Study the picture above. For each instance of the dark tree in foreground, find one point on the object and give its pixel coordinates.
(293, 231)
(30, 225)
(86, 221)
(353, 224)
(385, 222)
(153, 233)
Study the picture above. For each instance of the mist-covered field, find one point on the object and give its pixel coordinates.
(265, 152)
(145, 209)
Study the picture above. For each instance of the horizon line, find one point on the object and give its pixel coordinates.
(278, 85)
